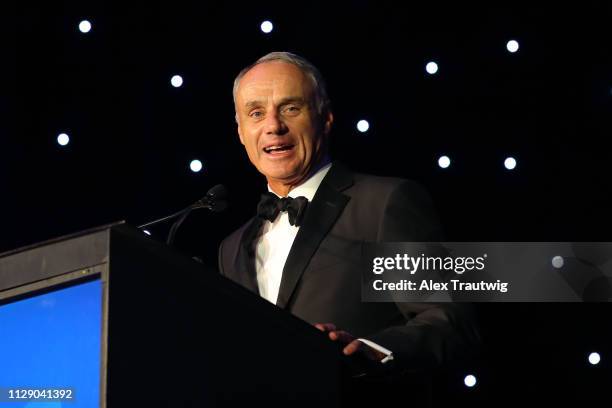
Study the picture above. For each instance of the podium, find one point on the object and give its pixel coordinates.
(122, 320)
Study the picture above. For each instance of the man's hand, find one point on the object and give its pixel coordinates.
(352, 344)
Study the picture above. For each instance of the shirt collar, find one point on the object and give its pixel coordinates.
(309, 187)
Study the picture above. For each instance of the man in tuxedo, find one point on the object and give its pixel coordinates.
(302, 251)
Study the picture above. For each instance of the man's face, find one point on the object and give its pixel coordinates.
(277, 122)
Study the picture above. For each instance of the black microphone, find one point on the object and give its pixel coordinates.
(214, 200)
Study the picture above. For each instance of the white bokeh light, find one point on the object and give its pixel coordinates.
(147, 232)
(510, 163)
(444, 162)
(176, 81)
(431, 68)
(363, 125)
(512, 46)
(557, 262)
(85, 26)
(195, 165)
(267, 27)
(63, 139)
(469, 380)
(594, 358)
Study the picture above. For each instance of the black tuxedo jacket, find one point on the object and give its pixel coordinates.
(321, 281)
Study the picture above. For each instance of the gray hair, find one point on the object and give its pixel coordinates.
(322, 103)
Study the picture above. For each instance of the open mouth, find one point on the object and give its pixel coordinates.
(278, 149)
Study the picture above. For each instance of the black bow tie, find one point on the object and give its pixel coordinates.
(270, 205)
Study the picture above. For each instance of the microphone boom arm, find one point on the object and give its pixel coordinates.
(214, 201)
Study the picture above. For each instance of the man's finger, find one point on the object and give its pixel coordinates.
(353, 347)
(358, 346)
(325, 326)
(341, 336)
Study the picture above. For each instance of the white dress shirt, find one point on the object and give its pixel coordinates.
(274, 243)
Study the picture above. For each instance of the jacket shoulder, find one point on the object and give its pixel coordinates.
(384, 183)
(399, 209)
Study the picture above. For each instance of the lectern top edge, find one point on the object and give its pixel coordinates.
(62, 238)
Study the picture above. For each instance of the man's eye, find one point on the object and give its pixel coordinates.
(292, 109)
(256, 114)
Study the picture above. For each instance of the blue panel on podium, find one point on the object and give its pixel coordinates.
(52, 341)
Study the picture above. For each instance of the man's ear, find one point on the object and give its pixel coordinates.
(327, 125)
(239, 130)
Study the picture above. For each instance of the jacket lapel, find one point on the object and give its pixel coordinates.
(322, 213)
(245, 259)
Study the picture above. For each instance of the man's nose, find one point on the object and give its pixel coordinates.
(275, 124)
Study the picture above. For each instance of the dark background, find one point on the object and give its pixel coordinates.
(133, 136)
